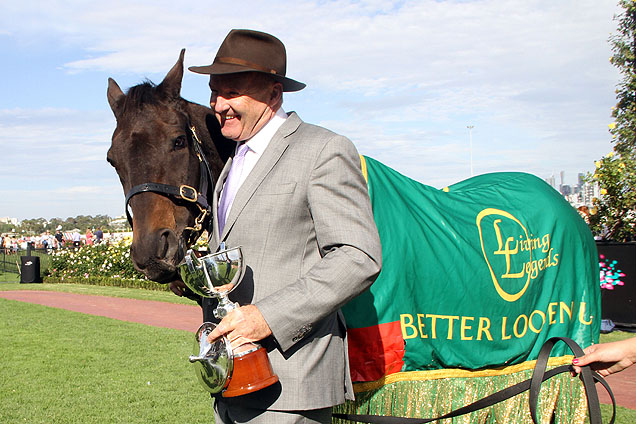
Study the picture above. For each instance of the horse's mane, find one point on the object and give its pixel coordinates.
(146, 93)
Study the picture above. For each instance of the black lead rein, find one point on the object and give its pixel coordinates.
(539, 375)
(184, 192)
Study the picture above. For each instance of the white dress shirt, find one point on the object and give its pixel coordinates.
(257, 145)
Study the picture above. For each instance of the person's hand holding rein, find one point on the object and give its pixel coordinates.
(608, 358)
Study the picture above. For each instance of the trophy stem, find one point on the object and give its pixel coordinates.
(224, 307)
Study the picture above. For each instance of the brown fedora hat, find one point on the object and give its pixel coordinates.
(244, 50)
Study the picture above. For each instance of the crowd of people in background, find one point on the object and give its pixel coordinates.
(13, 243)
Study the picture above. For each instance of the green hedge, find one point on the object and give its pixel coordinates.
(109, 282)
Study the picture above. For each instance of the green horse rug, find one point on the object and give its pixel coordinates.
(476, 277)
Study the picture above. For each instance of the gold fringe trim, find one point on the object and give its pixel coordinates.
(561, 401)
(455, 373)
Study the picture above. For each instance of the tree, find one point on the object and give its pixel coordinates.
(6, 228)
(615, 216)
(37, 226)
(624, 58)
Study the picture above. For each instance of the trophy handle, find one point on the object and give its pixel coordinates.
(214, 363)
(188, 259)
(220, 369)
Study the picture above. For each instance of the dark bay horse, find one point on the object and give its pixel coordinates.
(168, 153)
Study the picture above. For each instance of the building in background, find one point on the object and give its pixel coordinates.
(8, 220)
(581, 194)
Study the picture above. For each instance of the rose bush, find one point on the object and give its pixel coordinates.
(105, 264)
(103, 260)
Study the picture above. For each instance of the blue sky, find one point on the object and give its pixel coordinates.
(401, 79)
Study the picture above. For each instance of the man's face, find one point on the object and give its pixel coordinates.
(243, 103)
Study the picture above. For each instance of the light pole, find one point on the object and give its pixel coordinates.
(470, 135)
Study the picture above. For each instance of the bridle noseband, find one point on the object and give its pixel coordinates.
(184, 192)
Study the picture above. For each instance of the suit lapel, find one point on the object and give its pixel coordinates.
(270, 157)
(217, 195)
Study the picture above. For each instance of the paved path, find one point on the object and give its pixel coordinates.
(149, 312)
(189, 318)
(623, 385)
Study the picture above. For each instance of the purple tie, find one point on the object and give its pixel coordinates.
(231, 184)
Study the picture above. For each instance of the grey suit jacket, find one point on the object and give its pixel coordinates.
(303, 218)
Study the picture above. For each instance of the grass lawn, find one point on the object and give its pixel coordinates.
(66, 367)
(9, 277)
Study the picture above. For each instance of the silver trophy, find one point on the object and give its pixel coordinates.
(214, 275)
(218, 367)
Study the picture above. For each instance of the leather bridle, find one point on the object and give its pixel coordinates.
(184, 192)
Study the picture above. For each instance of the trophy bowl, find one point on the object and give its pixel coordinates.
(218, 366)
(214, 275)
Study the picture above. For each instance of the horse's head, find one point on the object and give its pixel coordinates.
(163, 170)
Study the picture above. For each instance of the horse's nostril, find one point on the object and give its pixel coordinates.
(134, 255)
(162, 246)
(167, 244)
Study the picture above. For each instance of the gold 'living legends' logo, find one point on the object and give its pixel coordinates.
(514, 256)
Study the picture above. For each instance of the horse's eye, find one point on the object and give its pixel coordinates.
(180, 142)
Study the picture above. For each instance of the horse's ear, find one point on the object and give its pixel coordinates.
(171, 84)
(115, 96)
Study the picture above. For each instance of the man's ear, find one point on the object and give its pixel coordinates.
(276, 97)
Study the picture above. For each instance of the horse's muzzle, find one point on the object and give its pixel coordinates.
(157, 254)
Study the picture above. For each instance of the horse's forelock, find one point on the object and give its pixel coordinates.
(148, 94)
(141, 94)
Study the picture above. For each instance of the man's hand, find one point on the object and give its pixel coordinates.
(241, 326)
(177, 287)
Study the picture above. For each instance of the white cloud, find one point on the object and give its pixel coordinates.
(53, 137)
(48, 157)
(400, 78)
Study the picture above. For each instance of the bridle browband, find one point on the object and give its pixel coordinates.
(184, 192)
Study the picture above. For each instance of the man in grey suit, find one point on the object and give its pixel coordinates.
(295, 200)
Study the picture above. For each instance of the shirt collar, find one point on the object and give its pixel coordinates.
(261, 139)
